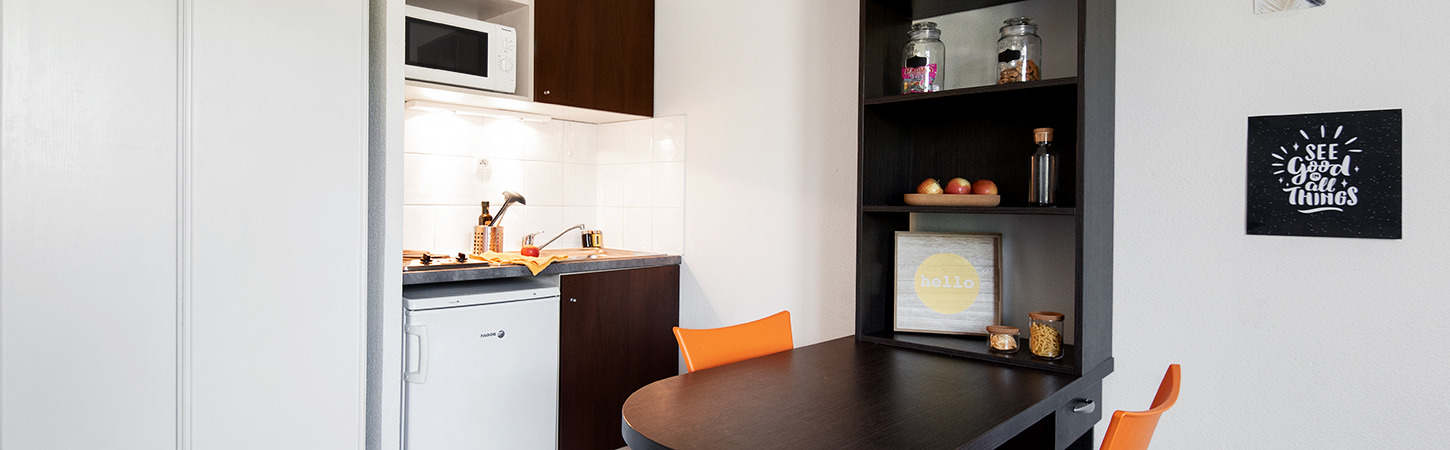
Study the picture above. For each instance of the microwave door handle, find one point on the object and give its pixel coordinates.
(419, 334)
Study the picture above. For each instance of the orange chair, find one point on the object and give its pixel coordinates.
(712, 347)
(1132, 430)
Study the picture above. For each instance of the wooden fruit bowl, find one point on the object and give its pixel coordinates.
(952, 200)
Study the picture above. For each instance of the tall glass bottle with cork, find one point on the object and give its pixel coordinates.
(923, 59)
(1042, 190)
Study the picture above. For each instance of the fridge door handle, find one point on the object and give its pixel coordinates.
(419, 334)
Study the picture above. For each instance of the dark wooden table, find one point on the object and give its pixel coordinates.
(848, 394)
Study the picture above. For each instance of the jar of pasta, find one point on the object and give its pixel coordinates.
(1002, 338)
(1045, 335)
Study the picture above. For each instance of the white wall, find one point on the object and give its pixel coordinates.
(770, 90)
(1286, 342)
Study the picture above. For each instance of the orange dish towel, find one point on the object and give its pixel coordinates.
(535, 264)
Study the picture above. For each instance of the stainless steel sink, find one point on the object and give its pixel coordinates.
(593, 253)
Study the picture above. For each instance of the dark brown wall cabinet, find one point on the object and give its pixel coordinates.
(615, 337)
(595, 54)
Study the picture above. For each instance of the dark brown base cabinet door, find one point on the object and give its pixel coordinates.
(595, 54)
(615, 337)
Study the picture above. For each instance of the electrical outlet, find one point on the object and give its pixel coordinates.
(483, 170)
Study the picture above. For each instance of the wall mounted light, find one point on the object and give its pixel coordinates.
(424, 105)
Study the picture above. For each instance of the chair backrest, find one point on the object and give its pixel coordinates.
(706, 348)
(1132, 430)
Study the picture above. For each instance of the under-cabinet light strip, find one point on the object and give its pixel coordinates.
(424, 105)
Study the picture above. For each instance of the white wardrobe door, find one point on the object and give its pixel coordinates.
(279, 223)
(88, 215)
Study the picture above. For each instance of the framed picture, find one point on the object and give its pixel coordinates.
(1329, 175)
(948, 283)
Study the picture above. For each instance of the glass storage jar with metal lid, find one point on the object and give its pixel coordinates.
(1045, 336)
(923, 59)
(1019, 52)
(1002, 338)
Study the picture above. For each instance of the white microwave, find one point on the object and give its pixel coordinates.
(454, 50)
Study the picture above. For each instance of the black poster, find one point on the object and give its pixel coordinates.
(1334, 174)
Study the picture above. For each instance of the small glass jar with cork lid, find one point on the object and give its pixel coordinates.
(1045, 335)
(1002, 338)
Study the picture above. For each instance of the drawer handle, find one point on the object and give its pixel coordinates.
(1085, 406)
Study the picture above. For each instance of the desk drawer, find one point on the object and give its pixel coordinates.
(1071, 424)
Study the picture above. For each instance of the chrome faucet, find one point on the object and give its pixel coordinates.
(561, 234)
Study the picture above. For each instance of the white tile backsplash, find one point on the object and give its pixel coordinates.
(638, 141)
(668, 234)
(611, 144)
(454, 229)
(624, 178)
(543, 183)
(548, 219)
(637, 232)
(418, 227)
(511, 139)
(549, 144)
(581, 185)
(587, 215)
(440, 133)
(669, 139)
(627, 228)
(440, 180)
(610, 185)
(638, 187)
(668, 180)
(581, 142)
(508, 175)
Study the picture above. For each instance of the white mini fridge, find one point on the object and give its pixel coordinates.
(482, 365)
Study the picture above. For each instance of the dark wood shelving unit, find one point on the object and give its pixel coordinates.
(965, 133)
(1049, 211)
(981, 132)
(981, 92)
(974, 347)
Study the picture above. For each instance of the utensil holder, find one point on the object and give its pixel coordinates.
(487, 239)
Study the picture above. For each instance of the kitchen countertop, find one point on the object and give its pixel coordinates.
(558, 267)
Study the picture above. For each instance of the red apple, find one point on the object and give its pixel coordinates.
(928, 187)
(984, 187)
(958, 186)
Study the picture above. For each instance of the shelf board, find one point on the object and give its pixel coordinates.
(922, 9)
(974, 347)
(474, 9)
(1019, 210)
(973, 91)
